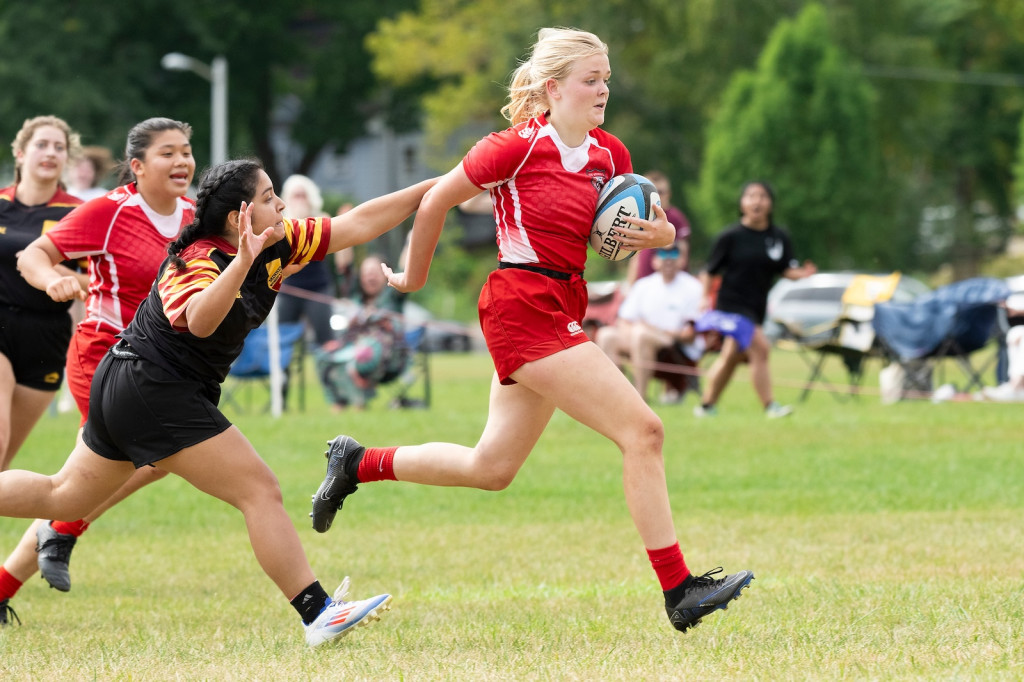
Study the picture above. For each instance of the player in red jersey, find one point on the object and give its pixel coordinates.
(124, 235)
(155, 393)
(544, 175)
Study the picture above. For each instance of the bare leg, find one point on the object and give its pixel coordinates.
(228, 468)
(721, 371)
(22, 563)
(20, 410)
(644, 347)
(586, 385)
(139, 479)
(760, 374)
(85, 480)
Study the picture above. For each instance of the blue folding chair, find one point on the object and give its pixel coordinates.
(252, 366)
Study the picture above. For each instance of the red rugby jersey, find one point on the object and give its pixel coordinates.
(544, 192)
(125, 241)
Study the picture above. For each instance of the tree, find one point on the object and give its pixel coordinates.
(805, 122)
(99, 68)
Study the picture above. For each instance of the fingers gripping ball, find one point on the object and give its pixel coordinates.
(625, 195)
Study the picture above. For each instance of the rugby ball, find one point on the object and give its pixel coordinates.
(625, 195)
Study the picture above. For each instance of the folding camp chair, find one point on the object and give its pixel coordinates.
(850, 337)
(252, 366)
(951, 323)
(412, 387)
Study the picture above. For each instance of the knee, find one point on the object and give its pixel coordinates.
(147, 475)
(495, 480)
(647, 436)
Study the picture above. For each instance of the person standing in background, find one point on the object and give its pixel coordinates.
(302, 199)
(34, 329)
(746, 258)
(86, 175)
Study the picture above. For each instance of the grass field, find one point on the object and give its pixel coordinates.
(886, 544)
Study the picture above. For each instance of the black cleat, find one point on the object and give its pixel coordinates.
(7, 614)
(343, 456)
(54, 556)
(704, 595)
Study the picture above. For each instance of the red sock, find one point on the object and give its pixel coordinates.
(669, 566)
(9, 585)
(75, 528)
(377, 465)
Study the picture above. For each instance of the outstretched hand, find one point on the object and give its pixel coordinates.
(396, 280)
(650, 234)
(249, 243)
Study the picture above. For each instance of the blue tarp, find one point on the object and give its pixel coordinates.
(964, 312)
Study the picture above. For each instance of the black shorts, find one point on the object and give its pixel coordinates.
(36, 345)
(141, 413)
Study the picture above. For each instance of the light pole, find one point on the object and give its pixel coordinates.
(217, 73)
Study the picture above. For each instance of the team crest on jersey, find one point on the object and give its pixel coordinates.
(274, 274)
(598, 178)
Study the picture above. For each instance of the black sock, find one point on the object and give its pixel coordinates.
(675, 595)
(310, 602)
(707, 406)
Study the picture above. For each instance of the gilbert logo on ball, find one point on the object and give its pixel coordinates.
(627, 195)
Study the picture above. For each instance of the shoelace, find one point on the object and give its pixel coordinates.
(341, 592)
(61, 548)
(706, 580)
(6, 613)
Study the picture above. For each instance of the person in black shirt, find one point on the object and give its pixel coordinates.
(154, 397)
(34, 330)
(745, 260)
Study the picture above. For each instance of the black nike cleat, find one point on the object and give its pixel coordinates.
(704, 595)
(54, 551)
(343, 456)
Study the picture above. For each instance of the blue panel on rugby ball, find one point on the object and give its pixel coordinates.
(629, 194)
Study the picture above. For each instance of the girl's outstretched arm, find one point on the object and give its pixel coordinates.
(453, 189)
(372, 218)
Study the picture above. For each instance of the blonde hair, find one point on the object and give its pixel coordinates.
(313, 195)
(29, 128)
(553, 55)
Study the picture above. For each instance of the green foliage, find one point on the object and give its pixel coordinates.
(828, 178)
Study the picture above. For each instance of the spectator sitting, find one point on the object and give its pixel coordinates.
(657, 314)
(371, 350)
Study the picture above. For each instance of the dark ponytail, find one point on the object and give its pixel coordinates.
(222, 190)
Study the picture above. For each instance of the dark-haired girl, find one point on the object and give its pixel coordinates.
(746, 258)
(124, 235)
(154, 398)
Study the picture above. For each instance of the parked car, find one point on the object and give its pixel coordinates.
(811, 303)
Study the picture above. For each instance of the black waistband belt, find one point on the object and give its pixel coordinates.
(547, 272)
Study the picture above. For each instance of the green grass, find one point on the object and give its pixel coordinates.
(885, 540)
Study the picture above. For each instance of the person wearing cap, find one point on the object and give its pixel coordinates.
(658, 313)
